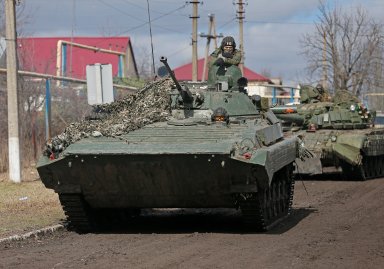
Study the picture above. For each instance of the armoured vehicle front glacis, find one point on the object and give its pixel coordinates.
(219, 149)
(339, 131)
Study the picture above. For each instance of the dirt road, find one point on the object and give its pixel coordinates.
(336, 225)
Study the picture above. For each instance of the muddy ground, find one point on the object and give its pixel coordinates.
(334, 224)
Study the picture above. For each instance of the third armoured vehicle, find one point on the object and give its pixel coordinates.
(219, 149)
(339, 131)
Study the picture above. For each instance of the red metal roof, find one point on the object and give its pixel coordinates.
(184, 72)
(39, 54)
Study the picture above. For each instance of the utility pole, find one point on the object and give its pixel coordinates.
(13, 115)
(194, 18)
(214, 33)
(209, 36)
(150, 34)
(241, 17)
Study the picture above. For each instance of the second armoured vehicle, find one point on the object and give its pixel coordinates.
(219, 149)
(339, 131)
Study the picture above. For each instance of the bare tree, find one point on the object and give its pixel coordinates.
(144, 62)
(345, 49)
(22, 17)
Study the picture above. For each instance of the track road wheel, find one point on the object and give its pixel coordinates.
(354, 172)
(373, 166)
(262, 210)
(79, 213)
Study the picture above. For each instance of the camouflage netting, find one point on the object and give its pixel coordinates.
(147, 106)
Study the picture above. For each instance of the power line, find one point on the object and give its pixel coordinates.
(133, 4)
(168, 29)
(182, 49)
(155, 19)
(141, 25)
(143, 8)
(281, 22)
(119, 10)
(226, 23)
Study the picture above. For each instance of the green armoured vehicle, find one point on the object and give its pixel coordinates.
(338, 131)
(220, 149)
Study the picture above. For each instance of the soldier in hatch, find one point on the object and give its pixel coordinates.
(309, 94)
(226, 54)
(225, 60)
(323, 93)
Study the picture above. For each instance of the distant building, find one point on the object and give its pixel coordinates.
(55, 56)
(255, 80)
(184, 72)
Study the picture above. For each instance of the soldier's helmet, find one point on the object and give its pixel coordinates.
(320, 88)
(228, 41)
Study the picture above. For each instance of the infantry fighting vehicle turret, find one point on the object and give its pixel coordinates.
(220, 149)
(339, 131)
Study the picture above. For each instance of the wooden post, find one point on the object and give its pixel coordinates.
(194, 18)
(209, 36)
(240, 17)
(13, 115)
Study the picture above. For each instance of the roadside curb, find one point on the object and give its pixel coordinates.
(35, 233)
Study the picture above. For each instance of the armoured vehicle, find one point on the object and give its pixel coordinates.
(220, 149)
(338, 131)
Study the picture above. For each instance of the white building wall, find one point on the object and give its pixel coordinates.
(254, 89)
(283, 96)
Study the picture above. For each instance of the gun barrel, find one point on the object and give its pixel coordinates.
(164, 61)
(284, 109)
(288, 114)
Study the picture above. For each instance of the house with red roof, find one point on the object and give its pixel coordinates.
(184, 72)
(256, 82)
(66, 56)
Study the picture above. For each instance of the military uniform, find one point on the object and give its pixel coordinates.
(217, 53)
(224, 63)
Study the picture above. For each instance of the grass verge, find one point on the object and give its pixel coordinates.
(27, 206)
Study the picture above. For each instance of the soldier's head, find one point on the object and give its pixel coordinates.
(228, 45)
(320, 88)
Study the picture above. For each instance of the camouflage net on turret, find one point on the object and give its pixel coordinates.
(148, 105)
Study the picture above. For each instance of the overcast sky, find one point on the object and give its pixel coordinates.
(272, 28)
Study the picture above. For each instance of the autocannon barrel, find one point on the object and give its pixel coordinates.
(184, 92)
(170, 72)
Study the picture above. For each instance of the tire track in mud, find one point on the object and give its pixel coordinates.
(339, 224)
